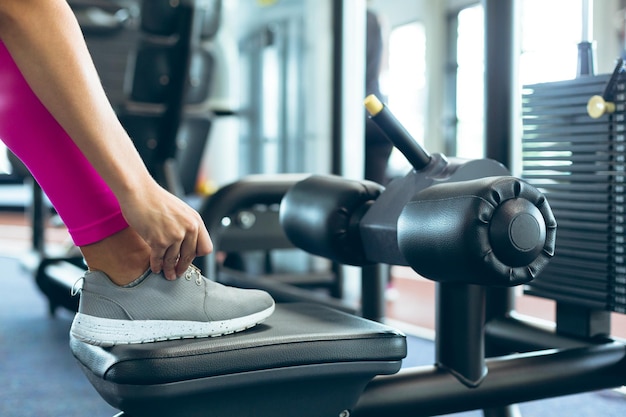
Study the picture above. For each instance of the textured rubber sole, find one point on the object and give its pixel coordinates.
(110, 332)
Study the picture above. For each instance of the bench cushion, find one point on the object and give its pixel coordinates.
(304, 350)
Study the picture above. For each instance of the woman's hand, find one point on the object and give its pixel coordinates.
(174, 231)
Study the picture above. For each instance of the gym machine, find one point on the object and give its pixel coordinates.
(308, 360)
(465, 224)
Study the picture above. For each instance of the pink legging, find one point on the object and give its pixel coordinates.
(83, 200)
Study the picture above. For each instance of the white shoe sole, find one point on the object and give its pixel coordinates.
(110, 332)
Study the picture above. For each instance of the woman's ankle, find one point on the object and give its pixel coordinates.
(123, 256)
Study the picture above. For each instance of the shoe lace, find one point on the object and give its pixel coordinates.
(194, 272)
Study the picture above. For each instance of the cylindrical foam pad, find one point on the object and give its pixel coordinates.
(321, 215)
(490, 231)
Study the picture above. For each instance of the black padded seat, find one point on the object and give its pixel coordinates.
(306, 360)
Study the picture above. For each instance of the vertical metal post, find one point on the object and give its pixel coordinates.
(348, 123)
(459, 340)
(500, 51)
(373, 286)
(38, 218)
(500, 60)
(585, 47)
(348, 87)
(337, 83)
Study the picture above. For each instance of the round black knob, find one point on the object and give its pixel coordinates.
(517, 232)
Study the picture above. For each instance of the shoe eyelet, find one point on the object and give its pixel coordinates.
(191, 271)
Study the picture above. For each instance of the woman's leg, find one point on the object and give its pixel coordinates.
(82, 199)
(143, 306)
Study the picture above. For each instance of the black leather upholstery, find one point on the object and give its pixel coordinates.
(496, 230)
(321, 215)
(489, 231)
(300, 347)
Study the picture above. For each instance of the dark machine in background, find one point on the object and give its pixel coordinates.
(157, 67)
(168, 71)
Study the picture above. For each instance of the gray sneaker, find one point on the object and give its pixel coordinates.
(156, 309)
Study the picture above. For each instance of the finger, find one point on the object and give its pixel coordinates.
(170, 260)
(156, 260)
(187, 254)
(204, 245)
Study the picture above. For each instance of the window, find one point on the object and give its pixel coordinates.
(550, 32)
(403, 82)
(470, 83)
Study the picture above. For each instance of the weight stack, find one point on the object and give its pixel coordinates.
(580, 164)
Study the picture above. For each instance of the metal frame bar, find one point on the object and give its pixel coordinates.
(431, 390)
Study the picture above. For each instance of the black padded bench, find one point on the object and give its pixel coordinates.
(317, 358)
